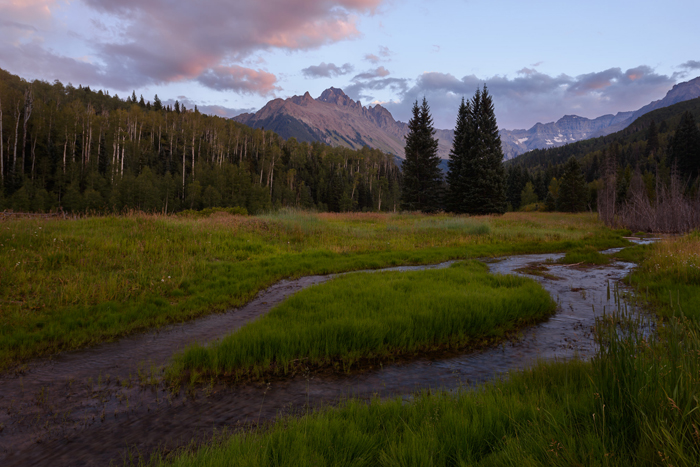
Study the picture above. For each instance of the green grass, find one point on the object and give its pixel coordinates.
(585, 255)
(635, 404)
(633, 254)
(67, 284)
(375, 316)
(669, 275)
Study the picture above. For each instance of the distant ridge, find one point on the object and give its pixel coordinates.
(572, 128)
(334, 118)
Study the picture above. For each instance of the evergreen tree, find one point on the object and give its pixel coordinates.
(460, 147)
(528, 195)
(482, 171)
(142, 103)
(157, 104)
(652, 139)
(421, 171)
(515, 183)
(133, 97)
(685, 147)
(177, 106)
(573, 192)
(541, 185)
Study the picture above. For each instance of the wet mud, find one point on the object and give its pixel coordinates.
(96, 406)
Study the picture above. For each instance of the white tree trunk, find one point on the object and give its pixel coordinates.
(2, 149)
(192, 154)
(14, 155)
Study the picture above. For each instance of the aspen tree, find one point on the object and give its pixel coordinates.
(2, 148)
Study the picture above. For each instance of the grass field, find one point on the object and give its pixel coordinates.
(635, 404)
(66, 284)
(375, 316)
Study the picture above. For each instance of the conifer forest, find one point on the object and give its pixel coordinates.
(80, 150)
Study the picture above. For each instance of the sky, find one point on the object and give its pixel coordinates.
(540, 59)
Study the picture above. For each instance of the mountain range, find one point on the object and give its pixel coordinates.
(336, 119)
(572, 128)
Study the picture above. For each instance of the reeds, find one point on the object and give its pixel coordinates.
(586, 255)
(377, 316)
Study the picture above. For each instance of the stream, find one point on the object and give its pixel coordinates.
(91, 407)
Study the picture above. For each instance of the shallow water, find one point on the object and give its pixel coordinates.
(88, 407)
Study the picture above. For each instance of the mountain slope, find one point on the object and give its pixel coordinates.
(334, 118)
(667, 120)
(572, 128)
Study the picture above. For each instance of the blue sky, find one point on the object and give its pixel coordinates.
(540, 59)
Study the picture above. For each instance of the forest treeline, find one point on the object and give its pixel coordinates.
(659, 152)
(77, 150)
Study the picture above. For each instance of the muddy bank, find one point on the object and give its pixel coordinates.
(89, 407)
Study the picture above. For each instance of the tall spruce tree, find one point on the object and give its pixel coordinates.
(460, 147)
(482, 178)
(573, 192)
(157, 104)
(652, 139)
(685, 147)
(421, 172)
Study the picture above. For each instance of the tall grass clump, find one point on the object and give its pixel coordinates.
(670, 275)
(376, 315)
(585, 255)
(647, 388)
(461, 225)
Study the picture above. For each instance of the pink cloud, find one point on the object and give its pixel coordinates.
(239, 79)
(26, 10)
(161, 41)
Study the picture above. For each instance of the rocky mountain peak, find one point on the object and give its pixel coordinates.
(684, 91)
(338, 97)
(304, 100)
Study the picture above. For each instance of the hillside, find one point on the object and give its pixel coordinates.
(335, 119)
(572, 128)
(630, 140)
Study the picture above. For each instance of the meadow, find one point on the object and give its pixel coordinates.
(635, 403)
(68, 284)
(374, 317)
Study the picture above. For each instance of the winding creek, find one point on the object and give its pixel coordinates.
(88, 407)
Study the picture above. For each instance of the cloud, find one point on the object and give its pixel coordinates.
(27, 10)
(383, 55)
(374, 80)
(359, 90)
(531, 96)
(217, 110)
(327, 70)
(691, 65)
(155, 42)
(33, 59)
(16, 25)
(239, 79)
(379, 72)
